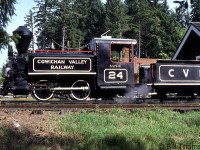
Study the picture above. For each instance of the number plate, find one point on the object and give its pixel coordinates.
(115, 75)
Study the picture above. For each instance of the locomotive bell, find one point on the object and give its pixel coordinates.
(25, 38)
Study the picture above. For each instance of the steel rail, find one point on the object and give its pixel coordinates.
(66, 107)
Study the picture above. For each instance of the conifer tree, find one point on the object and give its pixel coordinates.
(6, 11)
(29, 19)
(91, 18)
(116, 18)
(154, 26)
(195, 14)
(94, 20)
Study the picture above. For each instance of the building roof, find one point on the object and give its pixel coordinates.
(189, 47)
(197, 25)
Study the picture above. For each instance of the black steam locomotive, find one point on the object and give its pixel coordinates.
(106, 69)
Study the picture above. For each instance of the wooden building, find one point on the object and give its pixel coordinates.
(189, 48)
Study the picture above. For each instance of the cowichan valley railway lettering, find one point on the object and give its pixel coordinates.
(61, 64)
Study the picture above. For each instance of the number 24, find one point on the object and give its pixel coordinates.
(113, 75)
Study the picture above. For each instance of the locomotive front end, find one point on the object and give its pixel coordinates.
(15, 70)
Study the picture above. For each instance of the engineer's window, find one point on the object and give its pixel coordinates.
(121, 52)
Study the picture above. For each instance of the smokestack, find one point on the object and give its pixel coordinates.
(25, 38)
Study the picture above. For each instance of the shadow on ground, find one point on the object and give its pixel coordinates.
(12, 139)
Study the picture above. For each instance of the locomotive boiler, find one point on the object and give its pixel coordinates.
(104, 70)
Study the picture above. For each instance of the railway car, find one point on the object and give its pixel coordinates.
(176, 78)
(104, 70)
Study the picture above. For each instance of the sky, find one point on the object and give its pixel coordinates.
(22, 8)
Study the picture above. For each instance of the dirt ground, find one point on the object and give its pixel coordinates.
(28, 129)
(36, 121)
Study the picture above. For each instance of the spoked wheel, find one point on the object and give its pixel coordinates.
(42, 91)
(80, 90)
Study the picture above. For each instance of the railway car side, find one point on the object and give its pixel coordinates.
(180, 78)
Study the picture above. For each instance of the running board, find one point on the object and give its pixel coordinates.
(70, 88)
(113, 87)
(154, 93)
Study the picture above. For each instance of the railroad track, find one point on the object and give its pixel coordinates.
(93, 107)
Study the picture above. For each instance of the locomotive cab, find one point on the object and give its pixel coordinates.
(115, 67)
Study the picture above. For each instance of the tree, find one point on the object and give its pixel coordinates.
(195, 13)
(1, 78)
(183, 12)
(57, 22)
(116, 19)
(42, 16)
(164, 33)
(68, 23)
(72, 23)
(141, 19)
(154, 26)
(94, 20)
(90, 14)
(30, 22)
(6, 11)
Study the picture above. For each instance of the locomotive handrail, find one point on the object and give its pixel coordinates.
(62, 51)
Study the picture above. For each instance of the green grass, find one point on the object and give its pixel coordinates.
(120, 129)
(116, 130)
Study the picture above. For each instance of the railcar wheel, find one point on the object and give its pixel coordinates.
(42, 91)
(80, 90)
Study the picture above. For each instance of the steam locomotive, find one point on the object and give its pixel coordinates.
(106, 69)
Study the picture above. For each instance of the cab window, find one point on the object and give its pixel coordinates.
(121, 53)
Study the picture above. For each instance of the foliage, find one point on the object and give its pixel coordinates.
(195, 14)
(182, 12)
(154, 25)
(44, 20)
(6, 11)
(72, 23)
(30, 22)
(116, 18)
(91, 18)
(1, 78)
(66, 22)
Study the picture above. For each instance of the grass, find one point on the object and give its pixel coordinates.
(116, 130)
(120, 129)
